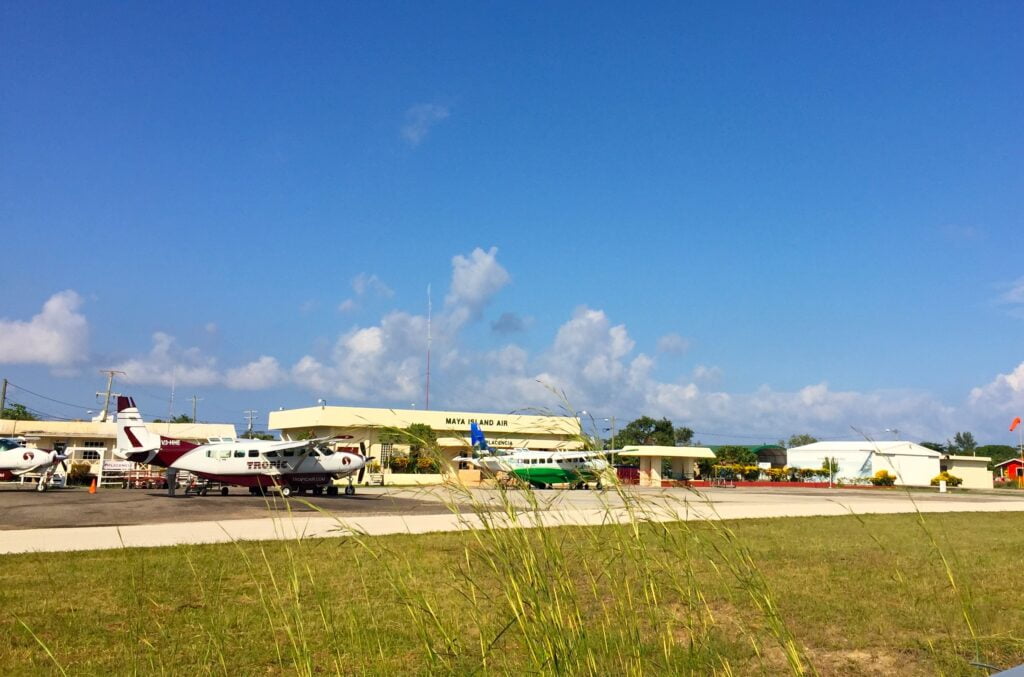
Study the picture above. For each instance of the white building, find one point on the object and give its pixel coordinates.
(911, 463)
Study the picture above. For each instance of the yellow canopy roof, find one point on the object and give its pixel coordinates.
(667, 452)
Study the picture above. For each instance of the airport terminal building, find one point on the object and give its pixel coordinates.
(355, 425)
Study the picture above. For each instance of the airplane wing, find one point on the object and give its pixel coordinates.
(299, 444)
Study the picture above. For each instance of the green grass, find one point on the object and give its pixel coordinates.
(835, 595)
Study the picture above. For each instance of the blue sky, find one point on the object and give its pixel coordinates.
(753, 219)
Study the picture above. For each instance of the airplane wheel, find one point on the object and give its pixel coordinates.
(204, 491)
(332, 491)
(41, 486)
(599, 486)
(318, 491)
(223, 491)
(254, 491)
(349, 490)
(286, 491)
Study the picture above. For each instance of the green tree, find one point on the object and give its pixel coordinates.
(683, 436)
(934, 446)
(831, 466)
(735, 454)
(646, 430)
(998, 453)
(18, 412)
(422, 442)
(800, 440)
(963, 443)
(253, 435)
(180, 418)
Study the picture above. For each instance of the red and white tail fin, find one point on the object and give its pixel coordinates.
(136, 443)
(132, 434)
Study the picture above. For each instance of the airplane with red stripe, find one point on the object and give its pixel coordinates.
(17, 459)
(291, 466)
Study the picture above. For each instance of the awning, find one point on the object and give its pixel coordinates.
(667, 452)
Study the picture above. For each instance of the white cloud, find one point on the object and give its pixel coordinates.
(347, 306)
(370, 284)
(1014, 293)
(475, 281)
(705, 374)
(58, 336)
(1004, 395)
(420, 119)
(259, 375)
(168, 364)
(673, 344)
(509, 323)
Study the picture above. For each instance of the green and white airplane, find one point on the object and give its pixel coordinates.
(541, 469)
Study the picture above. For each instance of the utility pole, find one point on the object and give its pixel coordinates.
(250, 414)
(195, 399)
(106, 395)
(429, 312)
(3, 399)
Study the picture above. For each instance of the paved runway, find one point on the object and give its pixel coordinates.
(386, 511)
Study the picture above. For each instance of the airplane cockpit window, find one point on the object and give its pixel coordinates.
(288, 452)
(326, 451)
(314, 452)
(254, 453)
(271, 454)
(222, 453)
(239, 453)
(8, 444)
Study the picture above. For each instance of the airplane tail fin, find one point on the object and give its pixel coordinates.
(477, 439)
(134, 441)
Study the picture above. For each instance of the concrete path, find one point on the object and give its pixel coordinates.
(555, 508)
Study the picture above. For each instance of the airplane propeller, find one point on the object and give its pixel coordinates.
(362, 470)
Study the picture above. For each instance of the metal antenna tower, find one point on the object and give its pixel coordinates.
(430, 308)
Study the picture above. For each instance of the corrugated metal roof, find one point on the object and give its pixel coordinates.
(888, 448)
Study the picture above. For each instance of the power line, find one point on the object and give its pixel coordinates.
(43, 414)
(50, 399)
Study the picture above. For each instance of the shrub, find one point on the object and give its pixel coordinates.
(751, 473)
(882, 478)
(777, 474)
(951, 480)
(425, 464)
(78, 473)
(399, 463)
(808, 473)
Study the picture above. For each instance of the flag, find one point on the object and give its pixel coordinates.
(476, 436)
(1016, 422)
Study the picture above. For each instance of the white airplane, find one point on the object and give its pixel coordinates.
(292, 466)
(541, 469)
(17, 459)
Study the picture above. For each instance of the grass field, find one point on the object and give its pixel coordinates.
(834, 596)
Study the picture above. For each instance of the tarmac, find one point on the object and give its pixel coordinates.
(72, 519)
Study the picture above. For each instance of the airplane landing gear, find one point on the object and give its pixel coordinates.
(350, 489)
(286, 491)
(223, 491)
(332, 490)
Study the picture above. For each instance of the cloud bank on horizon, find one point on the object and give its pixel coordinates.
(592, 360)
